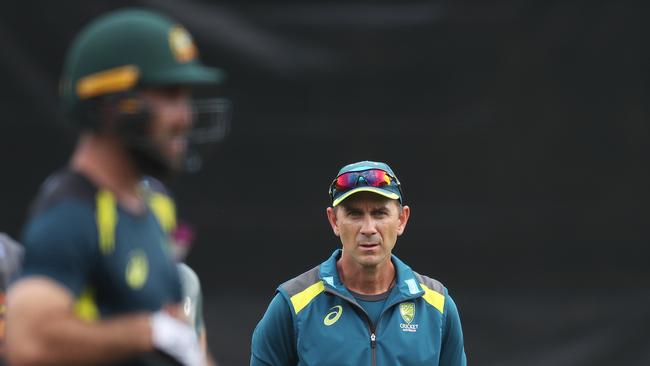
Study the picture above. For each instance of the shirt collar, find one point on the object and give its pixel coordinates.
(406, 282)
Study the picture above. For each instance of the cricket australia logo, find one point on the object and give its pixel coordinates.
(407, 311)
(137, 269)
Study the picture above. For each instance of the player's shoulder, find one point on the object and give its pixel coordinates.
(62, 212)
(189, 279)
(186, 272)
(431, 284)
(64, 186)
(301, 282)
(154, 185)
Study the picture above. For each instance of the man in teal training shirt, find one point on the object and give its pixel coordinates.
(362, 306)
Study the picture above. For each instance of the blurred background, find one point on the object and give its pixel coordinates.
(518, 129)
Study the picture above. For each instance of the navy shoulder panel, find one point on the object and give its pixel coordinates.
(432, 284)
(62, 185)
(301, 282)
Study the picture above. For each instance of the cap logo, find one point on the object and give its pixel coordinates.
(181, 44)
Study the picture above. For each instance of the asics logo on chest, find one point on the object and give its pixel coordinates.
(333, 316)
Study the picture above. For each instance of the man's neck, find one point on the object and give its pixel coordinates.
(372, 280)
(105, 161)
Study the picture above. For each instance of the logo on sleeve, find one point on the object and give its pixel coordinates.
(407, 311)
(333, 316)
(187, 306)
(189, 310)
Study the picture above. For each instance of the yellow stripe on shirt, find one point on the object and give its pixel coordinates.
(434, 298)
(302, 299)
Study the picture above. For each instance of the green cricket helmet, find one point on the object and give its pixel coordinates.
(124, 51)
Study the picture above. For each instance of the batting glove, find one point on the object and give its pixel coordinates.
(177, 339)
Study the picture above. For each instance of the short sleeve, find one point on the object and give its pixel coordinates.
(199, 314)
(60, 243)
(191, 286)
(453, 348)
(274, 340)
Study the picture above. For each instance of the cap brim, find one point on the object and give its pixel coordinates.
(187, 75)
(379, 191)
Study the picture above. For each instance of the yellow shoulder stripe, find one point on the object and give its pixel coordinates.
(302, 299)
(164, 210)
(434, 298)
(106, 216)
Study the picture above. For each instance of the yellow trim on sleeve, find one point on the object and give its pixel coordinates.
(302, 299)
(164, 210)
(106, 217)
(434, 298)
(85, 307)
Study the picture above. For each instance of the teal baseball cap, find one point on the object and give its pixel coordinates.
(365, 176)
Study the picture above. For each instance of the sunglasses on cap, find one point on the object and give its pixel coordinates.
(372, 178)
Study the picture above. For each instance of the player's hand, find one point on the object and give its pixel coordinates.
(176, 338)
(177, 312)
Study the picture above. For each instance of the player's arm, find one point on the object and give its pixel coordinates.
(274, 339)
(453, 348)
(43, 330)
(203, 341)
(42, 326)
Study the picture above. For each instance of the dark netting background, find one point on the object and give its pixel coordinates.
(518, 128)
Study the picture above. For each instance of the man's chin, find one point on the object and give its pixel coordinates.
(370, 260)
(175, 162)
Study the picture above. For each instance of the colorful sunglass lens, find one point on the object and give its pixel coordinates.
(373, 178)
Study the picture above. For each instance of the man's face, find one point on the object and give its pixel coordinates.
(171, 115)
(368, 225)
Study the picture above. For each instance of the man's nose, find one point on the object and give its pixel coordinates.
(183, 110)
(368, 226)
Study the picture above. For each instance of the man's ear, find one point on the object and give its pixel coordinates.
(403, 219)
(331, 217)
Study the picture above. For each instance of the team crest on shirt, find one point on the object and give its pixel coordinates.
(407, 311)
(137, 269)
